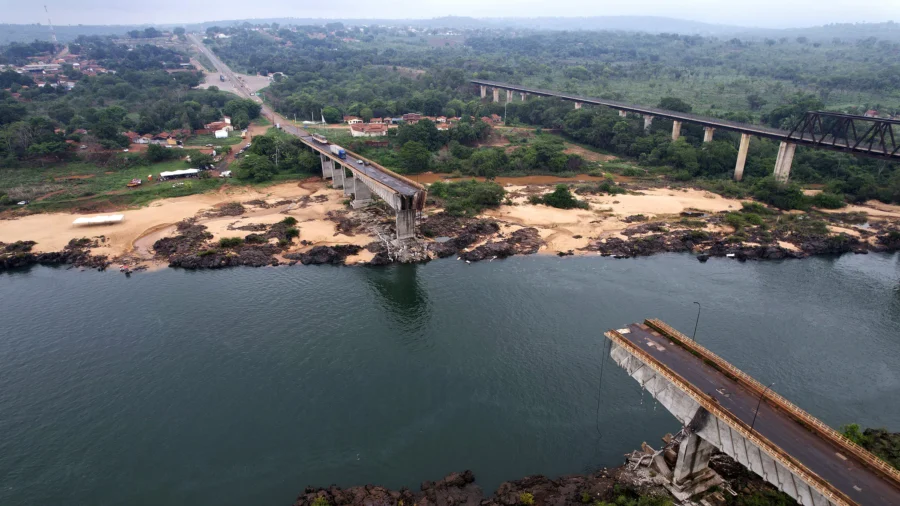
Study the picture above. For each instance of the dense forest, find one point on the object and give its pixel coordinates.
(374, 72)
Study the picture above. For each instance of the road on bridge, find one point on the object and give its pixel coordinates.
(358, 163)
(821, 456)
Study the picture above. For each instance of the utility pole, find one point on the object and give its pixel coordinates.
(694, 337)
(758, 404)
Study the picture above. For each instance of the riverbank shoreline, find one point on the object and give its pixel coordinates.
(237, 227)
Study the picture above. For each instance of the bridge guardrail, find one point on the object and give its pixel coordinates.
(843, 441)
(774, 451)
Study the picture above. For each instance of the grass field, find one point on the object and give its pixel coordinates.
(86, 187)
(202, 140)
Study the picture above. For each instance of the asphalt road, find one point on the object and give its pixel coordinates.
(395, 183)
(821, 456)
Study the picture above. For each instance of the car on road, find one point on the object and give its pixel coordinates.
(359, 162)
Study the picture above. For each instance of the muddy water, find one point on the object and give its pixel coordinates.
(243, 386)
(431, 177)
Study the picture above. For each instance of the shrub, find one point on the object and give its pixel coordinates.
(828, 201)
(321, 501)
(206, 253)
(781, 195)
(255, 239)
(735, 220)
(467, 198)
(633, 172)
(291, 233)
(526, 498)
(756, 208)
(562, 198)
(289, 221)
(230, 242)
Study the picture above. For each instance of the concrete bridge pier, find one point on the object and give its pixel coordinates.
(337, 180)
(623, 114)
(742, 157)
(483, 91)
(509, 96)
(577, 105)
(327, 167)
(349, 183)
(362, 194)
(708, 134)
(676, 130)
(406, 224)
(524, 96)
(496, 94)
(784, 161)
(648, 121)
(693, 459)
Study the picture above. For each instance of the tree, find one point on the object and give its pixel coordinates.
(332, 115)
(415, 157)
(755, 101)
(179, 31)
(674, 104)
(255, 168)
(366, 114)
(562, 198)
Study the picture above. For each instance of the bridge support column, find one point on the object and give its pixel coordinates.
(577, 105)
(483, 91)
(327, 167)
(362, 194)
(676, 130)
(496, 94)
(509, 96)
(524, 96)
(693, 458)
(708, 134)
(784, 161)
(648, 121)
(337, 179)
(623, 114)
(742, 157)
(406, 224)
(349, 182)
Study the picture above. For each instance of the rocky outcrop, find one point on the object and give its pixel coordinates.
(334, 255)
(77, 253)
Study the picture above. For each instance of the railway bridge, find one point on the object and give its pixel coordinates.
(857, 135)
(722, 407)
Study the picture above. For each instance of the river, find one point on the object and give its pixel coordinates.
(243, 386)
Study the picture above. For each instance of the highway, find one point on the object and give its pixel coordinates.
(383, 176)
(825, 458)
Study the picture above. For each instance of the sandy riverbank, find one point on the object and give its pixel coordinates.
(310, 201)
(142, 227)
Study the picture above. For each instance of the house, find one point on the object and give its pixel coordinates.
(442, 126)
(221, 134)
(396, 121)
(162, 136)
(440, 119)
(352, 120)
(485, 119)
(412, 118)
(218, 125)
(226, 119)
(871, 113)
(370, 130)
(376, 121)
(81, 131)
(496, 118)
(144, 139)
(132, 136)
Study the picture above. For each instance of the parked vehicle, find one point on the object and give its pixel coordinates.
(339, 151)
(221, 78)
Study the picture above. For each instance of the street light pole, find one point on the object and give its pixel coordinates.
(694, 337)
(758, 404)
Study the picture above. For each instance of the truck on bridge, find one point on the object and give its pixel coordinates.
(339, 151)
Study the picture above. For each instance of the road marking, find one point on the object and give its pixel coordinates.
(840, 456)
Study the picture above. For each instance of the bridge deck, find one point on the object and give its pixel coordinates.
(876, 150)
(822, 456)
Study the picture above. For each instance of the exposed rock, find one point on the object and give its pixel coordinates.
(77, 253)
(335, 255)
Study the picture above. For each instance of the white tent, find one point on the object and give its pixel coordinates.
(179, 173)
(99, 220)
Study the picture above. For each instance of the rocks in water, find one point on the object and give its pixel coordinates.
(334, 255)
(702, 258)
(524, 241)
(77, 253)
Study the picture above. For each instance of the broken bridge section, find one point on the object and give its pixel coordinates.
(717, 405)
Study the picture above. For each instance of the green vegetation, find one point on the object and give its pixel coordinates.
(560, 198)
(274, 154)
(526, 499)
(289, 221)
(203, 140)
(230, 242)
(321, 501)
(467, 198)
(885, 445)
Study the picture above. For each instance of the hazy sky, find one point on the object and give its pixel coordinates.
(761, 13)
